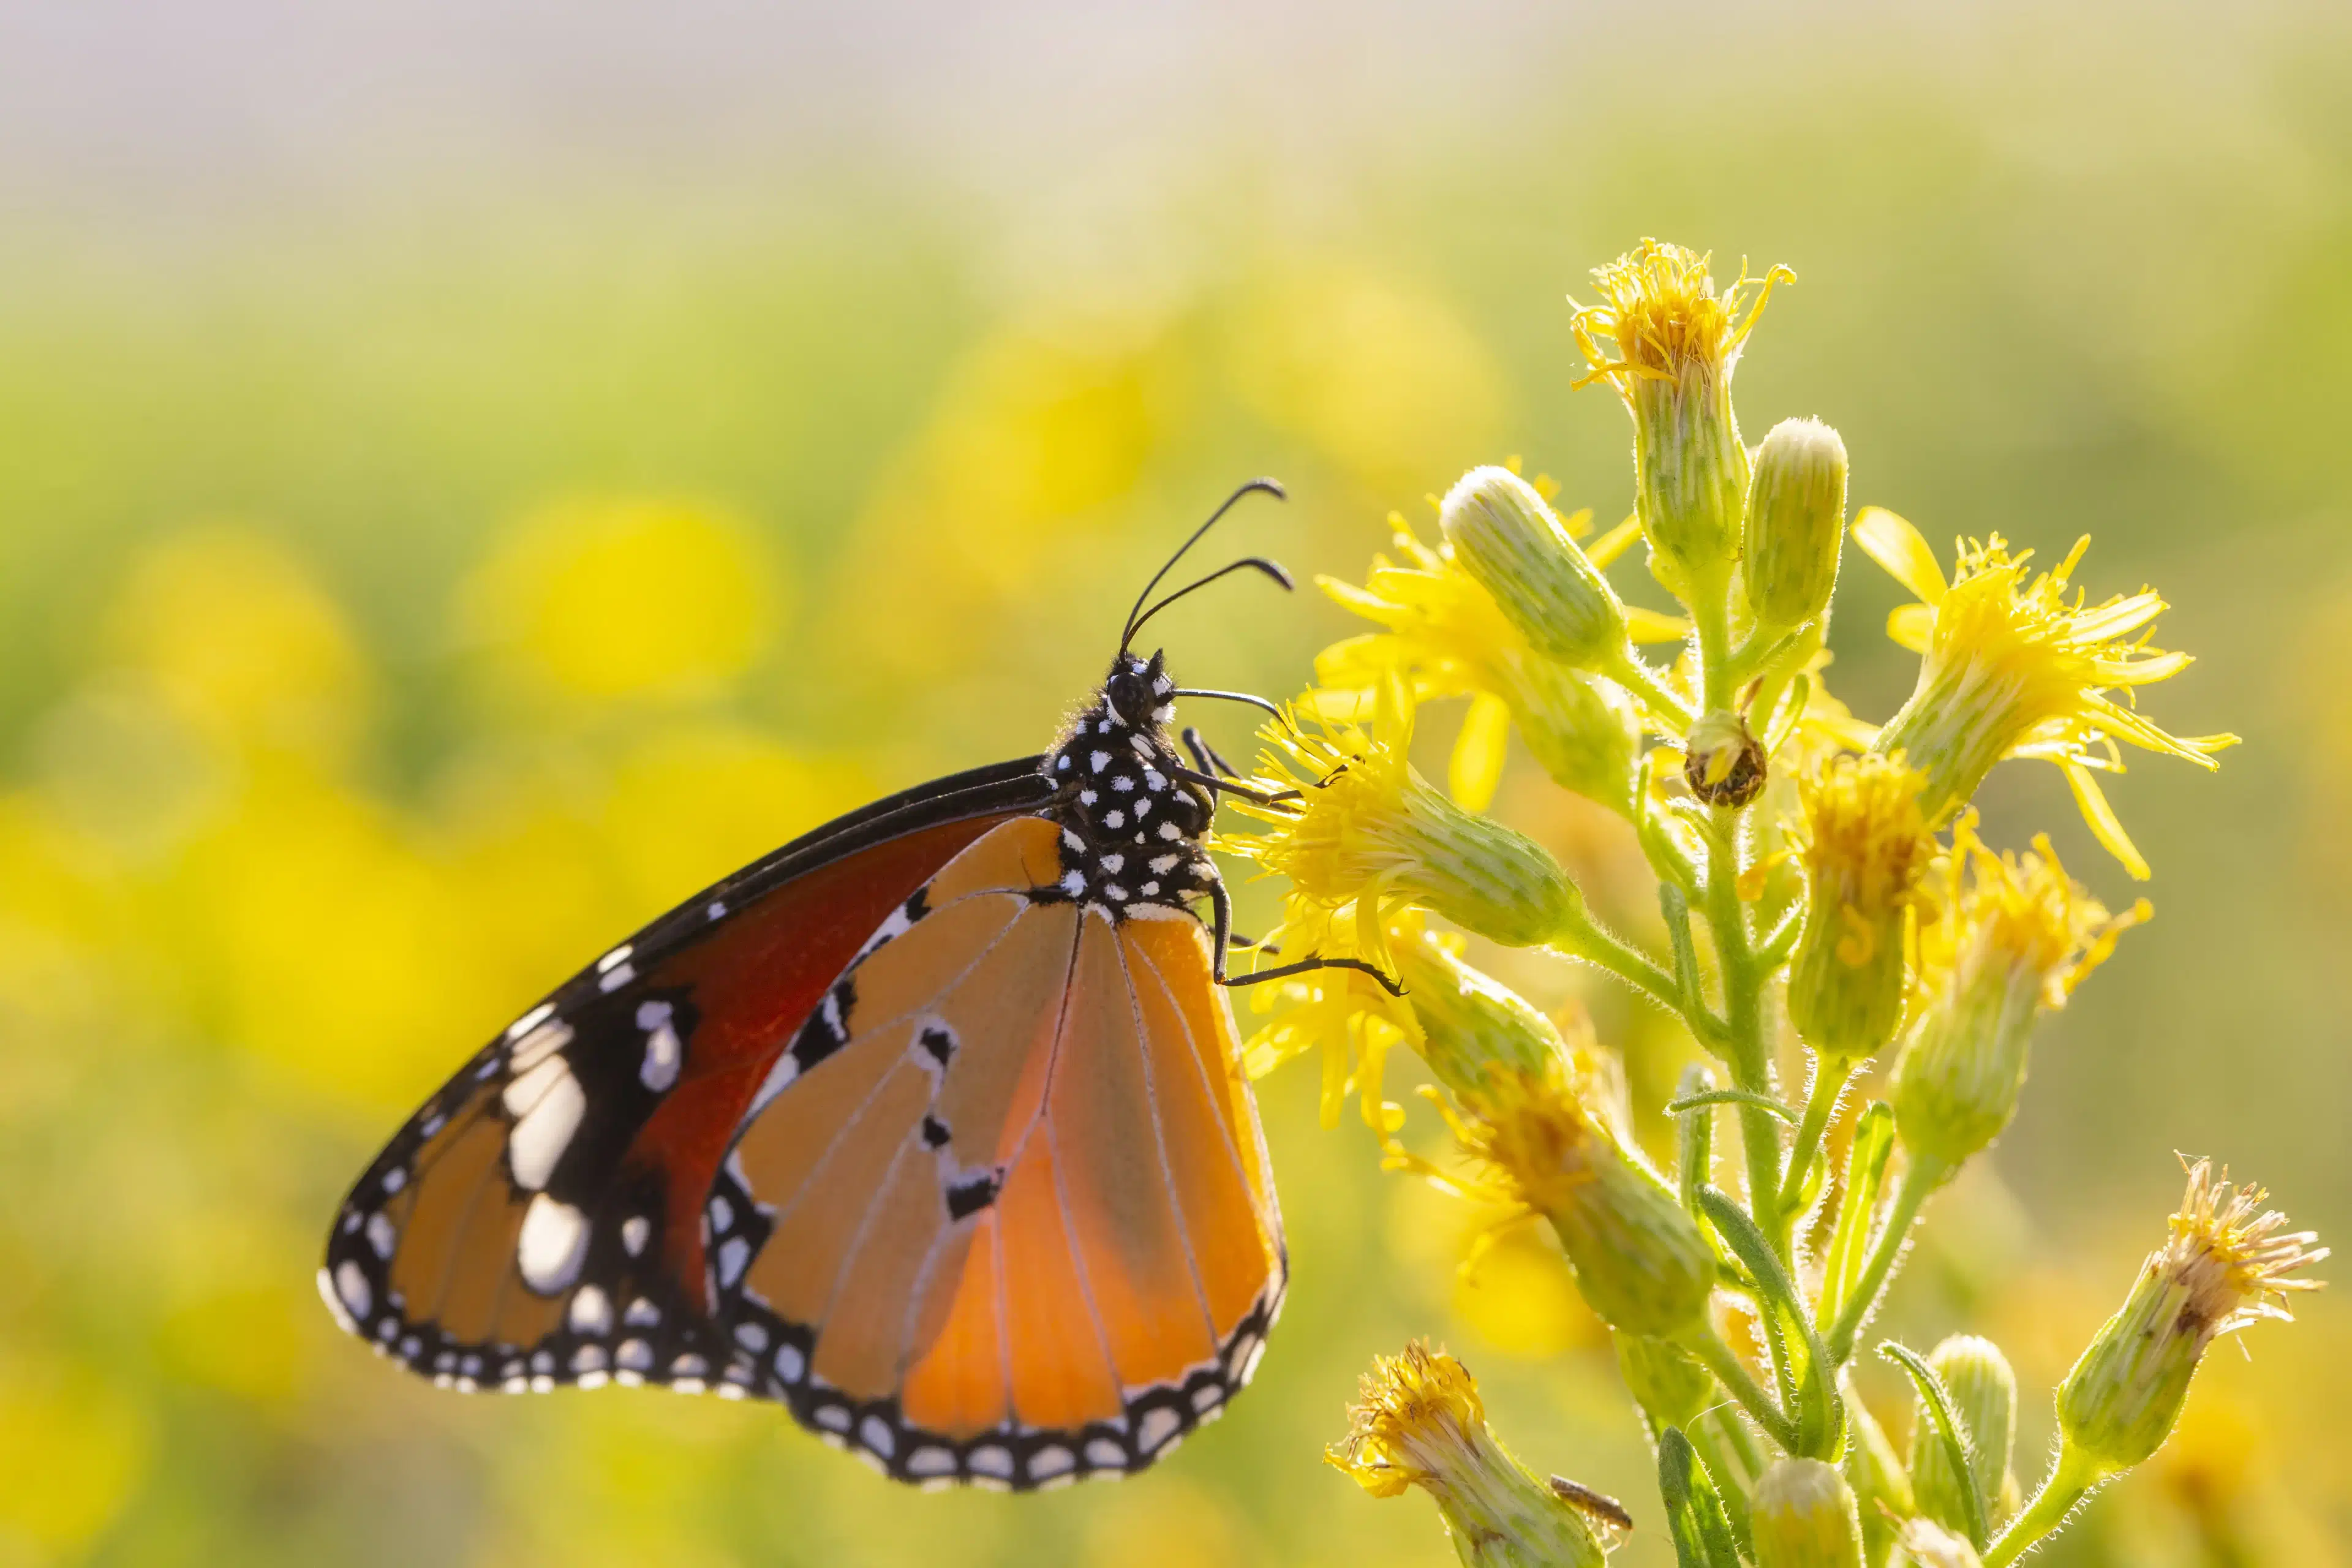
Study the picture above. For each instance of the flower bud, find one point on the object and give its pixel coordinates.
(1640, 1260)
(1365, 830)
(1582, 732)
(1507, 536)
(1472, 1025)
(1796, 521)
(1803, 1515)
(1723, 761)
(1676, 343)
(1932, 1546)
(2017, 935)
(1867, 847)
(1418, 1421)
(1984, 1395)
(2226, 1265)
(1672, 1388)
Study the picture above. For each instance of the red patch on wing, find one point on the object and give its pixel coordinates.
(753, 983)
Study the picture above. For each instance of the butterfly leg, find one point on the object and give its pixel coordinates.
(1205, 755)
(1221, 904)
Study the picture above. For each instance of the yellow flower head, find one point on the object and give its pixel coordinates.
(1348, 1016)
(2227, 1263)
(2016, 664)
(1668, 342)
(1418, 1421)
(1357, 829)
(1549, 1142)
(2016, 935)
(1445, 636)
(1660, 312)
(1867, 847)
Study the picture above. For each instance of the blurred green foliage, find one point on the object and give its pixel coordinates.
(392, 612)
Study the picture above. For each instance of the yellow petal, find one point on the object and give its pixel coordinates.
(1650, 625)
(2104, 823)
(1478, 751)
(1896, 545)
(1578, 522)
(1606, 549)
(1909, 625)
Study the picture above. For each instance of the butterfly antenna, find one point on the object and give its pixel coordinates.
(1135, 616)
(1247, 563)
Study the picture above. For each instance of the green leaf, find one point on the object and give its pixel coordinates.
(1695, 1516)
(1821, 1413)
(1935, 1402)
(1708, 1099)
(1865, 1178)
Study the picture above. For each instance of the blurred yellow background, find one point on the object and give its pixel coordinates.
(471, 475)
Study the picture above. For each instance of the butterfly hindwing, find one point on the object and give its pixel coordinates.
(540, 1220)
(1016, 1224)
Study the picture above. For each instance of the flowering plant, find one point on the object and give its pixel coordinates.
(1827, 900)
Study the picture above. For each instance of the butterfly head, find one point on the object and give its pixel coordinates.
(1131, 823)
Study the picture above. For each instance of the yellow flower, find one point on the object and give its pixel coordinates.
(2229, 1263)
(1357, 829)
(1676, 343)
(1418, 1421)
(1445, 636)
(2017, 666)
(1549, 1142)
(1867, 847)
(2015, 937)
(1348, 1016)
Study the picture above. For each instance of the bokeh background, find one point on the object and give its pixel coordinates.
(470, 474)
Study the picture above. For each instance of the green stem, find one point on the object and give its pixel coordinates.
(1586, 938)
(2071, 1479)
(1713, 655)
(1743, 1047)
(1730, 1370)
(1920, 1179)
(1829, 1079)
(1631, 671)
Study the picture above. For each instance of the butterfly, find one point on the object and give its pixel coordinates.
(930, 1126)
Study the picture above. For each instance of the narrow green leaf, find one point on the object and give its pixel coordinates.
(1959, 1448)
(1695, 1517)
(1820, 1414)
(1714, 1097)
(1865, 1178)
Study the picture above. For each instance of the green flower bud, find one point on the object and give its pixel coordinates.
(1640, 1260)
(1582, 732)
(1507, 537)
(1932, 1546)
(2226, 1265)
(1472, 1025)
(1803, 1515)
(1671, 1386)
(1796, 521)
(1676, 343)
(1867, 846)
(1984, 1395)
(2013, 942)
(1723, 761)
(1418, 1421)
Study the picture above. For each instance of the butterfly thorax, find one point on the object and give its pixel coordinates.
(1131, 823)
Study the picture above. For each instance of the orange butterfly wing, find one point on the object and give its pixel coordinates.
(1018, 1222)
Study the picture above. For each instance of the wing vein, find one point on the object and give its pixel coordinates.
(1159, 1141)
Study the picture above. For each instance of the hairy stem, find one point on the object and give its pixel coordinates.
(1829, 1079)
(2071, 1480)
(1730, 1370)
(1920, 1179)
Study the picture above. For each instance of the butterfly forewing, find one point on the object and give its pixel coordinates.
(539, 1220)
